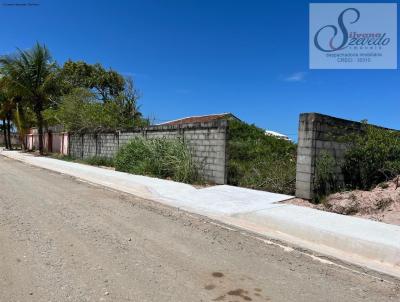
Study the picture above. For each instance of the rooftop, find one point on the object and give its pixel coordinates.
(199, 119)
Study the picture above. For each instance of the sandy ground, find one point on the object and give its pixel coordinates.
(380, 204)
(65, 240)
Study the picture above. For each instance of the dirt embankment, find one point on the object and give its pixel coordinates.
(381, 203)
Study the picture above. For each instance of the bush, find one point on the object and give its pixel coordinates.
(160, 157)
(373, 157)
(258, 161)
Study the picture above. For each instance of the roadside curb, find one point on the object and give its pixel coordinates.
(379, 251)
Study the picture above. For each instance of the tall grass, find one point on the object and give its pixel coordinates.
(164, 158)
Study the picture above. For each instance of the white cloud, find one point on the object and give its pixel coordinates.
(296, 77)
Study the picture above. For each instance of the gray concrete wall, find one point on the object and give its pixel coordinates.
(207, 142)
(320, 133)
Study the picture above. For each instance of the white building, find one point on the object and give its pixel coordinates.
(277, 134)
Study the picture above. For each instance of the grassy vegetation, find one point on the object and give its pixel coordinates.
(100, 161)
(258, 161)
(163, 158)
(94, 161)
(373, 157)
(325, 179)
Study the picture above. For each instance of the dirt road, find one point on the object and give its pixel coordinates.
(65, 240)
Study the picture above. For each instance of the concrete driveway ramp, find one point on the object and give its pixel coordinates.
(228, 200)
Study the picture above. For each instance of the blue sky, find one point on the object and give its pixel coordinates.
(199, 57)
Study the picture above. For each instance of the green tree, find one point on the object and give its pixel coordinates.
(128, 108)
(105, 84)
(108, 86)
(80, 111)
(31, 74)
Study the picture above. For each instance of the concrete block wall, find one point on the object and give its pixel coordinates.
(75, 145)
(320, 133)
(207, 142)
(107, 144)
(89, 145)
(209, 151)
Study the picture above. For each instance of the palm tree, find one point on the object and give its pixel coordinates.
(6, 112)
(7, 107)
(3, 117)
(31, 75)
(20, 120)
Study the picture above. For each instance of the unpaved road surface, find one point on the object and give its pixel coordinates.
(65, 240)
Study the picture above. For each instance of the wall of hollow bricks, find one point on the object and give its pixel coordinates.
(319, 134)
(207, 141)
